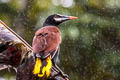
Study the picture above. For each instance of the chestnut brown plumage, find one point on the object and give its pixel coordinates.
(47, 39)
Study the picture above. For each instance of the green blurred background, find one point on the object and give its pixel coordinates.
(90, 48)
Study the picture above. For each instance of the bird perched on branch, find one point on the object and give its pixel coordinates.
(47, 40)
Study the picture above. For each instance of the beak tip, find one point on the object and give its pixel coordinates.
(72, 17)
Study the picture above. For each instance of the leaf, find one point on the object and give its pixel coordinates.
(12, 47)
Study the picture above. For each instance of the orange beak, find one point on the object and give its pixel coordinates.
(65, 18)
(72, 17)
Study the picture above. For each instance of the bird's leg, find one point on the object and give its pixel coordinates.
(15, 69)
(60, 71)
(65, 78)
(55, 66)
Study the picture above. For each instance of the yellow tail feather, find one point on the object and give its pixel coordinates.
(46, 70)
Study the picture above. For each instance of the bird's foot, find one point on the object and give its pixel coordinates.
(66, 77)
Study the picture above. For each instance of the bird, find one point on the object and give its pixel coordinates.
(47, 39)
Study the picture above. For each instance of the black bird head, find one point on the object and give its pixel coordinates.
(56, 19)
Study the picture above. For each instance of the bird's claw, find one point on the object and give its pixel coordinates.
(66, 77)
